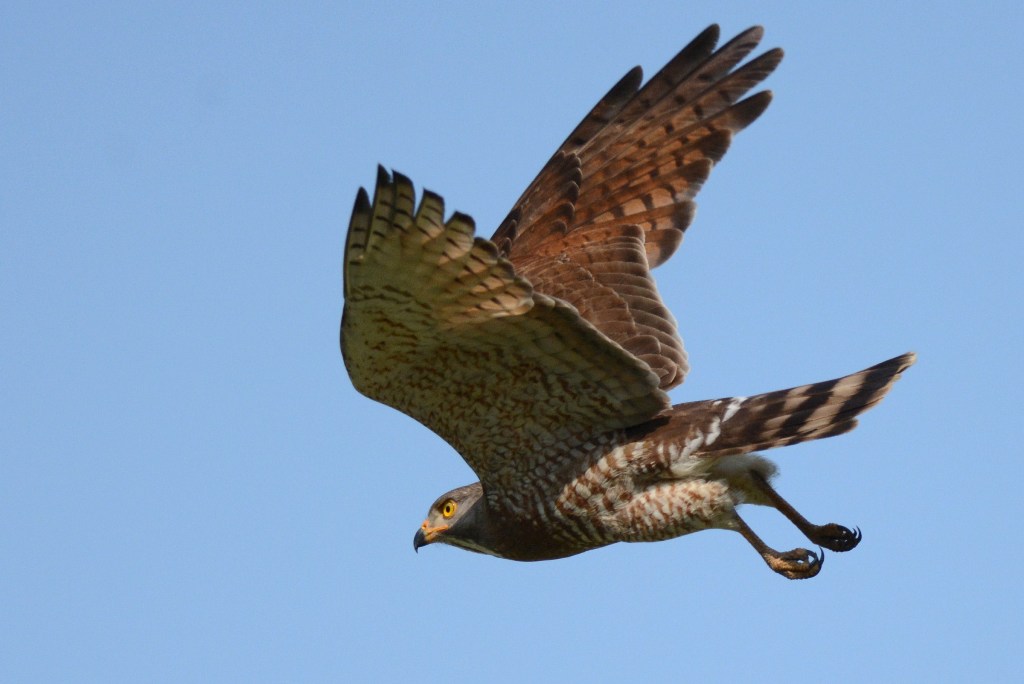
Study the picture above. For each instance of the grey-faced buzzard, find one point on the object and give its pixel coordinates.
(543, 355)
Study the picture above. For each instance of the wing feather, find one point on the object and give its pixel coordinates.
(630, 171)
(441, 327)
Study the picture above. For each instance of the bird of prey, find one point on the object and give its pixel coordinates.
(543, 355)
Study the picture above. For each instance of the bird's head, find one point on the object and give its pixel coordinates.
(456, 518)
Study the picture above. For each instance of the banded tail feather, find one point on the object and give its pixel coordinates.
(740, 425)
(542, 356)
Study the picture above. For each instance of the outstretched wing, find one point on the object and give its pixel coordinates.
(614, 200)
(438, 325)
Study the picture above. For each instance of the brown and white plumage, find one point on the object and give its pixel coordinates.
(543, 355)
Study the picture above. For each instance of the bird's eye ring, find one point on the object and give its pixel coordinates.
(448, 509)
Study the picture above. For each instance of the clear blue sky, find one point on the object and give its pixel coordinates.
(191, 490)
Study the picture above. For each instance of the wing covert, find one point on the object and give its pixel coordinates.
(441, 327)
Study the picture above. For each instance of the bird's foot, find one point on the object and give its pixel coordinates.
(834, 537)
(795, 564)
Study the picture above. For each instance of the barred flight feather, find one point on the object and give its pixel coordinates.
(436, 320)
(542, 355)
(765, 421)
(635, 163)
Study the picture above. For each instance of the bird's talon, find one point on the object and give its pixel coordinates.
(796, 564)
(836, 537)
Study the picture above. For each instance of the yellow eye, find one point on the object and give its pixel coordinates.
(448, 510)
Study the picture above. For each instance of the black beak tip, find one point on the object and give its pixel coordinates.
(419, 540)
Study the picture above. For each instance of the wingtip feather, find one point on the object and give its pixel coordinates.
(383, 178)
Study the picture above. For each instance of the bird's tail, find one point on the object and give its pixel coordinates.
(739, 425)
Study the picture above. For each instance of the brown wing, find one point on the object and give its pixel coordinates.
(439, 326)
(614, 200)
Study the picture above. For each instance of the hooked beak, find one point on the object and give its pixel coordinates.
(426, 535)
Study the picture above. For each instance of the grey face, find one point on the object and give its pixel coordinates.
(447, 521)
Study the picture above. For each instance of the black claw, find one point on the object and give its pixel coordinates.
(836, 537)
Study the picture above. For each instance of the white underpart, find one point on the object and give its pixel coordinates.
(738, 466)
(682, 465)
(736, 469)
(692, 445)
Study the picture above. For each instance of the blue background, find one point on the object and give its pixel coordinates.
(191, 490)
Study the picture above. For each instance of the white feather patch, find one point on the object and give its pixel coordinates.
(733, 407)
